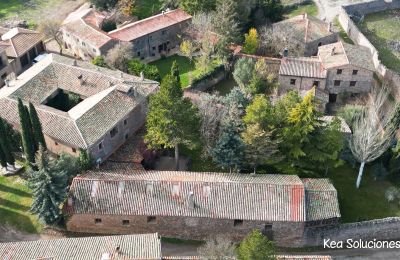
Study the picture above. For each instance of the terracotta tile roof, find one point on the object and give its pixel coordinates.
(3, 30)
(302, 28)
(103, 106)
(146, 26)
(18, 41)
(84, 24)
(302, 67)
(123, 191)
(341, 54)
(321, 199)
(143, 246)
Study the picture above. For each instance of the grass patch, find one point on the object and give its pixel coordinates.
(147, 8)
(185, 67)
(366, 203)
(342, 34)
(309, 8)
(198, 163)
(15, 202)
(381, 28)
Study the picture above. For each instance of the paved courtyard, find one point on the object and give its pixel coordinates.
(329, 9)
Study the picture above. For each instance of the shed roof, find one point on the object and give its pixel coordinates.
(18, 41)
(266, 197)
(143, 246)
(302, 67)
(149, 25)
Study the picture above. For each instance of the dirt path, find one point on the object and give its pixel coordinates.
(8, 234)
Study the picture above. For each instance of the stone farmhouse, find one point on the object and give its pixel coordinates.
(305, 32)
(128, 247)
(80, 106)
(18, 48)
(195, 205)
(151, 37)
(338, 68)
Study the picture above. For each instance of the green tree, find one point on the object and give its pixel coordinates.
(99, 61)
(104, 4)
(27, 133)
(85, 160)
(67, 165)
(36, 127)
(196, 6)
(256, 85)
(260, 112)
(187, 48)
(136, 67)
(3, 161)
(175, 71)
(273, 9)
(251, 42)
(5, 145)
(256, 246)
(49, 187)
(243, 72)
(172, 120)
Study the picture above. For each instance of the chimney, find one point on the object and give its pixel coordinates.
(74, 63)
(191, 200)
(305, 16)
(329, 26)
(141, 76)
(333, 51)
(106, 256)
(80, 77)
(121, 75)
(285, 53)
(163, 13)
(7, 82)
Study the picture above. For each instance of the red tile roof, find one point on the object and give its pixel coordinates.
(155, 23)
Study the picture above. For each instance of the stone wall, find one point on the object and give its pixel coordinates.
(207, 82)
(301, 83)
(287, 234)
(311, 48)
(379, 229)
(363, 80)
(359, 38)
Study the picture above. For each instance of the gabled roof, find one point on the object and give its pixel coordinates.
(143, 246)
(302, 67)
(123, 191)
(85, 24)
(341, 54)
(302, 28)
(149, 25)
(18, 41)
(104, 103)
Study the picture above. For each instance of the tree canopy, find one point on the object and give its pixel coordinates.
(256, 246)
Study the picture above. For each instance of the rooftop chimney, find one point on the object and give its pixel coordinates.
(285, 52)
(74, 63)
(7, 82)
(333, 51)
(329, 26)
(121, 75)
(80, 77)
(191, 200)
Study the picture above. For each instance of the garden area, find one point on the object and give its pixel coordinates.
(147, 8)
(382, 29)
(15, 203)
(294, 8)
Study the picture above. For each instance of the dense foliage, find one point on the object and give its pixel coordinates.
(135, 67)
(256, 246)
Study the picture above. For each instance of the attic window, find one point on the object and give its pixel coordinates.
(292, 81)
(125, 122)
(238, 222)
(97, 220)
(151, 219)
(339, 71)
(101, 146)
(114, 132)
(125, 222)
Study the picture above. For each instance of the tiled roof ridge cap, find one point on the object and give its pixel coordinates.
(344, 51)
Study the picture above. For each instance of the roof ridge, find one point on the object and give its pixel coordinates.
(344, 51)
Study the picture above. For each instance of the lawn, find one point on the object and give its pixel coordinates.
(147, 8)
(381, 29)
(15, 201)
(185, 67)
(366, 203)
(293, 9)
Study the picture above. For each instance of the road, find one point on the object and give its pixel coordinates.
(329, 9)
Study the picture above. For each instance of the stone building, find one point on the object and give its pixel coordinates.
(151, 37)
(80, 106)
(338, 68)
(128, 247)
(5, 68)
(305, 32)
(194, 205)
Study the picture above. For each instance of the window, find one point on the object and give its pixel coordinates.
(125, 222)
(114, 132)
(292, 81)
(4, 76)
(237, 222)
(316, 84)
(125, 122)
(268, 226)
(151, 219)
(94, 50)
(154, 48)
(97, 220)
(126, 136)
(164, 32)
(355, 72)
(73, 150)
(83, 44)
(55, 143)
(336, 83)
(138, 53)
(339, 71)
(101, 146)
(353, 83)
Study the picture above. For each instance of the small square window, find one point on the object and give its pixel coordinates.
(353, 83)
(97, 220)
(268, 227)
(151, 219)
(355, 72)
(101, 146)
(138, 53)
(316, 84)
(292, 81)
(125, 122)
(237, 222)
(73, 150)
(125, 222)
(114, 132)
(154, 47)
(55, 143)
(126, 136)
(339, 71)
(337, 83)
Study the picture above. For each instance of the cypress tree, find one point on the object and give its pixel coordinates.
(3, 161)
(5, 144)
(36, 127)
(26, 129)
(175, 72)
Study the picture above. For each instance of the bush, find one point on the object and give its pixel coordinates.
(209, 74)
(135, 67)
(109, 25)
(99, 61)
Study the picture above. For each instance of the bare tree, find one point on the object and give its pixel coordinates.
(373, 129)
(119, 55)
(51, 30)
(218, 248)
